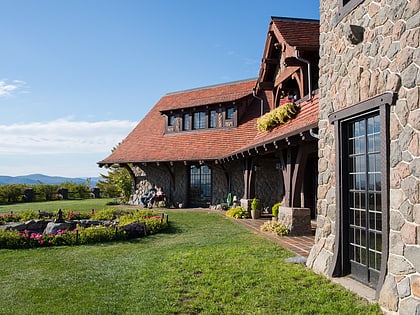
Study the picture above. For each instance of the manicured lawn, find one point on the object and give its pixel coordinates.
(204, 264)
(52, 206)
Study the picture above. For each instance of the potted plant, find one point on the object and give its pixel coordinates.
(275, 211)
(255, 209)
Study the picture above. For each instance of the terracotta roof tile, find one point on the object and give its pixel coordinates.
(301, 33)
(148, 143)
(208, 95)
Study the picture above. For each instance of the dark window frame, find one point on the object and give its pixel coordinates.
(212, 118)
(199, 120)
(230, 116)
(171, 120)
(345, 7)
(380, 104)
(186, 121)
(219, 119)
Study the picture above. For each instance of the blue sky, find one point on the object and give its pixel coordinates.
(77, 76)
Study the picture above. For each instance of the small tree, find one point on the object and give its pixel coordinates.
(117, 183)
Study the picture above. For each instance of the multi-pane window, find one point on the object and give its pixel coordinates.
(362, 187)
(171, 120)
(230, 113)
(364, 193)
(193, 119)
(186, 122)
(212, 118)
(200, 186)
(199, 120)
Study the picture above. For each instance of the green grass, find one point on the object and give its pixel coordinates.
(49, 206)
(204, 264)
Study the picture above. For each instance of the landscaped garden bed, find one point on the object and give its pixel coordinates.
(28, 229)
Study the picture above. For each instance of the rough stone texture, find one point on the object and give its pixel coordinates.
(410, 306)
(408, 233)
(398, 265)
(387, 60)
(268, 184)
(415, 286)
(297, 220)
(389, 294)
(53, 227)
(412, 253)
(403, 287)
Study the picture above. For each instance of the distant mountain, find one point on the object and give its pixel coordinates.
(34, 179)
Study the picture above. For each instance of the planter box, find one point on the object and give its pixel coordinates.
(255, 214)
(297, 220)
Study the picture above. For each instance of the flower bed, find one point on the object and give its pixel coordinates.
(115, 225)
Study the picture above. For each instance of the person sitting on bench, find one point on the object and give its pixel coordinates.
(148, 199)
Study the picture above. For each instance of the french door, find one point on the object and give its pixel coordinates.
(362, 185)
(200, 186)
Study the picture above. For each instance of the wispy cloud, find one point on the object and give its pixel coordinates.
(63, 136)
(8, 88)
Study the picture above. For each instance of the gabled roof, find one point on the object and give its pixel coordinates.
(147, 142)
(300, 33)
(287, 38)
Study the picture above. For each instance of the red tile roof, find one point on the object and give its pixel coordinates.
(300, 33)
(307, 118)
(148, 143)
(206, 96)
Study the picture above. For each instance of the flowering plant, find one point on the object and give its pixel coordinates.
(237, 213)
(275, 227)
(277, 116)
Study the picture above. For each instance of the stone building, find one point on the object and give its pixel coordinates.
(200, 145)
(368, 223)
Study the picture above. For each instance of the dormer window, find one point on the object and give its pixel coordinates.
(199, 120)
(208, 117)
(230, 112)
(213, 119)
(186, 122)
(171, 120)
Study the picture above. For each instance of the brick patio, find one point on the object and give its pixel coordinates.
(301, 245)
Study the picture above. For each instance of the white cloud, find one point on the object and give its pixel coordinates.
(63, 136)
(7, 89)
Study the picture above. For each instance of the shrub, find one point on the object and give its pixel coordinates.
(154, 221)
(275, 209)
(255, 204)
(237, 213)
(107, 214)
(27, 215)
(99, 234)
(274, 227)
(11, 239)
(26, 239)
(8, 217)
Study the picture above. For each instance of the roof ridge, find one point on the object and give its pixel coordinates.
(283, 18)
(211, 86)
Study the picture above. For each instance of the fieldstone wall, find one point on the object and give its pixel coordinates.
(269, 187)
(386, 60)
(268, 182)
